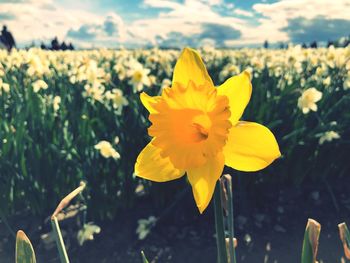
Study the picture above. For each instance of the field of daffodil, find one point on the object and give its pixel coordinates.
(77, 115)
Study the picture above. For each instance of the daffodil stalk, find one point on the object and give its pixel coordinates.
(59, 240)
(227, 183)
(219, 225)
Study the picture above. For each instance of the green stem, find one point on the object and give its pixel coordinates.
(59, 241)
(231, 221)
(219, 225)
(6, 223)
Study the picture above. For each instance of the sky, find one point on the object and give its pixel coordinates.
(175, 23)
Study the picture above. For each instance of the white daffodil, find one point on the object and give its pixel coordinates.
(106, 150)
(38, 85)
(328, 137)
(307, 100)
(117, 98)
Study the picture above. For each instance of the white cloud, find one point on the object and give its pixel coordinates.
(186, 18)
(287, 9)
(42, 19)
(242, 12)
(107, 32)
(276, 16)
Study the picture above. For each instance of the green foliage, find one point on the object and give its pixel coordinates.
(144, 259)
(310, 243)
(24, 249)
(345, 238)
(44, 150)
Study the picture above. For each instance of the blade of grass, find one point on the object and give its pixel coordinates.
(144, 259)
(310, 244)
(24, 249)
(345, 238)
(55, 225)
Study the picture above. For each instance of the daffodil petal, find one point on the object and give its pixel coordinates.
(203, 180)
(190, 66)
(250, 147)
(149, 102)
(152, 166)
(238, 89)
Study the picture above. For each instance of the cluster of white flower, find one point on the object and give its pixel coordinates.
(144, 226)
(39, 85)
(307, 100)
(106, 150)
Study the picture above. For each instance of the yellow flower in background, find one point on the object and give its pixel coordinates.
(38, 85)
(196, 130)
(117, 98)
(307, 100)
(56, 103)
(106, 149)
(4, 87)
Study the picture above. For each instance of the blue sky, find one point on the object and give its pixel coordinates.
(175, 23)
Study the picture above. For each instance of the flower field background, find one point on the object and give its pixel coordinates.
(76, 115)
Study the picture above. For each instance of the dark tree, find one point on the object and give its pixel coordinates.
(330, 43)
(43, 46)
(64, 46)
(266, 44)
(54, 44)
(313, 44)
(7, 38)
(70, 46)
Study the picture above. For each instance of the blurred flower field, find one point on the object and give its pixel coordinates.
(76, 115)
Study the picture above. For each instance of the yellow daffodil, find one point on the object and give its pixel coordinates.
(196, 130)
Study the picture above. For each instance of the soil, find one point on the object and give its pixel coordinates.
(269, 229)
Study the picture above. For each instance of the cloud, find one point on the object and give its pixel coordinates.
(279, 16)
(219, 33)
(85, 32)
(181, 22)
(212, 34)
(108, 33)
(242, 12)
(318, 29)
(175, 22)
(288, 9)
(41, 20)
(7, 16)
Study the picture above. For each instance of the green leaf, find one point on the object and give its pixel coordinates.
(310, 244)
(144, 259)
(345, 238)
(24, 249)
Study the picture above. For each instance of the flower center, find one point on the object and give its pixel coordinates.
(191, 124)
(137, 76)
(202, 124)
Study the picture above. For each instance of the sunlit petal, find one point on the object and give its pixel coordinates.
(149, 102)
(190, 67)
(203, 180)
(250, 147)
(238, 90)
(150, 165)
